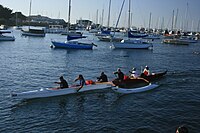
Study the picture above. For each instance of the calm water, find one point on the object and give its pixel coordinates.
(29, 63)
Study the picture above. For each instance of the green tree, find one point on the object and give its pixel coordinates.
(5, 12)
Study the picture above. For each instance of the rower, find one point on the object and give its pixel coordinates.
(134, 73)
(120, 75)
(82, 81)
(63, 83)
(146, 71)
(103, 77)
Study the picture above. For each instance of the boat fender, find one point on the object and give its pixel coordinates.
(51, 46)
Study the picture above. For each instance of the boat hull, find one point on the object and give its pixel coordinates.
(153, 77)
(136, 35)
(132, 44)
(7, 38)
(176, 41)
(32, 34)
(36, 32)
(134, 90)
(71, 45)
(71, 37)
(109, 39)
(50, 92)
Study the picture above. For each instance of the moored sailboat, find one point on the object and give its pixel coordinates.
(72, 45)
(129, 43)
(33, 31)
(68, 44)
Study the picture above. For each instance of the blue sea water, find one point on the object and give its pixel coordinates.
(29, 63)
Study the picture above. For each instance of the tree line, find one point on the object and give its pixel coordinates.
(8, 18)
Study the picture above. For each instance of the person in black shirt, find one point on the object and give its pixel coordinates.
(103, 77)
(63, 83)
(120, 74)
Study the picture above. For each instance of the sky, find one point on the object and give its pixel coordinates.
(161, 11)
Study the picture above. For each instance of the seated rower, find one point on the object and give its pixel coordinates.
(82, 81)
(134, 73)
(103, 77)
(146, 71)
(63, 83)
(120, 75)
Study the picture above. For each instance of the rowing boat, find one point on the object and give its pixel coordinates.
(132, 85)
(51, 92)
(134, 90)
(153, 76)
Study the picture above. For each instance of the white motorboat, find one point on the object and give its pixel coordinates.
(4, 37)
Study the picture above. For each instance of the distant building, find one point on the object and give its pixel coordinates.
(83, 23)
(45, 21)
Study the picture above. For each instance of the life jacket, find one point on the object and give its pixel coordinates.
(126, 77)
(89, 82)
(146, 72)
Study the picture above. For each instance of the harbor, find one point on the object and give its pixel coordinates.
(30, 63)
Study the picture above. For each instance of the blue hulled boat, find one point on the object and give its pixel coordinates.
(72, 45)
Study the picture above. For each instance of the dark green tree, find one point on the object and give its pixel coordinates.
(5, 15)
(5, 12)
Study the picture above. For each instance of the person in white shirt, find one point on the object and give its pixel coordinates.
(134, 73)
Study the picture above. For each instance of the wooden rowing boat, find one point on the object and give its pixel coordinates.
(153, 76)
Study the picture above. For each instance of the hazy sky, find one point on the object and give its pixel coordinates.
(161, 10)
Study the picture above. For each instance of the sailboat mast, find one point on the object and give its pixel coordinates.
(109, 14)
(129, 15)
(172, 21)
(176, 19)
(198, 26)
(68, 26)
(30, 8)
(186, 19)
(102, 17)
(149, 22)
(30, 13)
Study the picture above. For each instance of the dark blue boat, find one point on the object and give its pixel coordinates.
(72, 37)
(72, 45)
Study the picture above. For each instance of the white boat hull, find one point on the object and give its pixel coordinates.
(49, 92)
(134, 90)
(7, 38)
